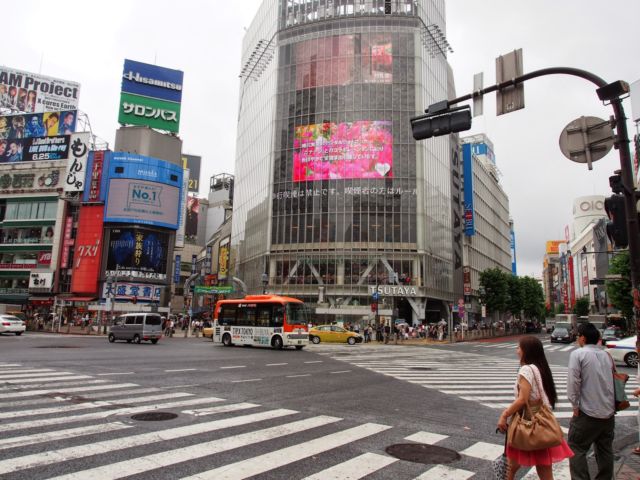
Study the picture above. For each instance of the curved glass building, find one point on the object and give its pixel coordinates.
(333, 199)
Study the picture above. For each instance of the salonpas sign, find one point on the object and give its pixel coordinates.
(150, 96)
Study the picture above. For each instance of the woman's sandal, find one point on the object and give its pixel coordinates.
(636, 450)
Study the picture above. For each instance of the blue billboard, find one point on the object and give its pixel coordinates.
(142, 190)
(467, 172)
(152, 81)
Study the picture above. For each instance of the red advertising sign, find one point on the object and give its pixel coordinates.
(96, 176)
(44, 258)
(67, 242)
(88, 250)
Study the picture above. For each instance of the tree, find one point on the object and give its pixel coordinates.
(532, 299)
(581, 308)
(516, 295)
(619, 291)
(496, 289)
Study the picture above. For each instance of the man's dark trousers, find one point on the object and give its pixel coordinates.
(585, 431)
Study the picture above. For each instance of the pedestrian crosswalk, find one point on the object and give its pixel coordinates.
(486, 380)
(512, 344)
(85, 431)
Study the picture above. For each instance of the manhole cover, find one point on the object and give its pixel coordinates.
(154, 416)
(420, 368)
(58, 346)
(422, 453)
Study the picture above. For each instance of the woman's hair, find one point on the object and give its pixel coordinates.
(533, 354)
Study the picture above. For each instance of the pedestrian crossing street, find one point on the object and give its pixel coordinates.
(62, 425)
(486, 380)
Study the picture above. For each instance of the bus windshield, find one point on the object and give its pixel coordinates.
(296, 314)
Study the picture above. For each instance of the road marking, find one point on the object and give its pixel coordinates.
(566, 349)
(181, 370)
(169, 387)
(278, 458)
(32, 393)
(171, 457)
(247, 380)
(115, 373)
(234, 366)
(484, 451)
(106, 446)
(341, 371)
(60, 435)
(426, 437)
(26, 373)
(355, 468)
(444, 472)
(314, 361)
(89, 405)
(70, 376)
(296, 376)
(274, 364)
(198, 412)
(105, 414)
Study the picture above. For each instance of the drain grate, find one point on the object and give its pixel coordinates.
(154, 416)
(420, 368)
(422, 453)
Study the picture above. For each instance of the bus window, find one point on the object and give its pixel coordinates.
(278, 316)
(247, 317)
(263, 317)
(296, 314)
(227, 315)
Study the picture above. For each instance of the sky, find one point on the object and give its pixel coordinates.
(87, 42)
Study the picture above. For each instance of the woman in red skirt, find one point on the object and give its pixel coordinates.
(534, 383)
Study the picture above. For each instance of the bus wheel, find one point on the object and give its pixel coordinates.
(299, 347)
(277, 343)
(226, 340)
(315, 340)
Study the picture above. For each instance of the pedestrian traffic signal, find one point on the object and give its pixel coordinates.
(615, 182)
(441, 122)
(374, 307)
(617, 224)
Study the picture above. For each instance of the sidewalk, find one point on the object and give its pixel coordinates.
(627, 466)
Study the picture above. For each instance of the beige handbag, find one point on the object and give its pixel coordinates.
(537, 430)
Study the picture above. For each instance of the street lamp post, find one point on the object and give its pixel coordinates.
(265, 282)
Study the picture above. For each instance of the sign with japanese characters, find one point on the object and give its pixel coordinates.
(77, 164)
(29, 180)
(87, 250)
(41, 280)
(35, 149)
(150, 96)
(94, 192)
(32, 92)
(137, 252)
(127, 291)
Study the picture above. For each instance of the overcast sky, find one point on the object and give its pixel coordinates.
(88, 41)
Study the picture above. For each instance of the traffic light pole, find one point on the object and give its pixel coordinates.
(621, 143)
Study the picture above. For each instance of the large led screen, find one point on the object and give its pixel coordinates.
(344, 59)
(362, 149)
(138, 253)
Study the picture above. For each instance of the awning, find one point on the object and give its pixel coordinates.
(77, 299)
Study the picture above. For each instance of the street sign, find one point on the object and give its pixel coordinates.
(586, 140)
(375, 296)
(478, 100)
(596, 281)
(508, 67)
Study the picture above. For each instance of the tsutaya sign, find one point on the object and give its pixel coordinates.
(394, 290)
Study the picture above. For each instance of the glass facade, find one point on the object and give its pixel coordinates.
(353, 201)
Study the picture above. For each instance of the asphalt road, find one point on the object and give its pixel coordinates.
(67, 407)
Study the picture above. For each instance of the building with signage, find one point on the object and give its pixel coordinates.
(351, 205)
(552, 276)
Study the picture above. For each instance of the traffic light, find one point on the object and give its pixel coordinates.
(374, 307)
(615, 182)
(441, 122)
(617, 225)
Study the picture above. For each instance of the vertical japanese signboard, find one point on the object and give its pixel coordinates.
(88, 250)
(77, 163)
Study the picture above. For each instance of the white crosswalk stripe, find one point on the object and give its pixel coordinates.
(61, 439)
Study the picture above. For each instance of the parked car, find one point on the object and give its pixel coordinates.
(611, 333)
(135, 327)
(11, 324)
(562, 335)
(333, 333)
(624, 351)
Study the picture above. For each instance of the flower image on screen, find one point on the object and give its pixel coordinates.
(362, 149)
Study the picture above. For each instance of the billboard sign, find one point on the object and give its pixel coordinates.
(191, 224)
(334, 151)
(34, 149)
(95, 165)
(30, 180)
(34, 125)
(177, 269)
(553, 246)
(192, 162)
(77, 164)
(151, 96)
(182, 213)
(127, 291)
(223, 258)
(467, 172)
(41, 280)
(136, 252)
(67, 241)
(88, 250)
(32, 92)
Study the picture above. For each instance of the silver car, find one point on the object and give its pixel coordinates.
(11, 324)
(136, 327)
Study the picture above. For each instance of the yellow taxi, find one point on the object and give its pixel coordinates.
(333, 333)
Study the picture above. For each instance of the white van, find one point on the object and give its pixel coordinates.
(135, 327)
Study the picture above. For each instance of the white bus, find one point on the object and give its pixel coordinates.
(261, 320)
